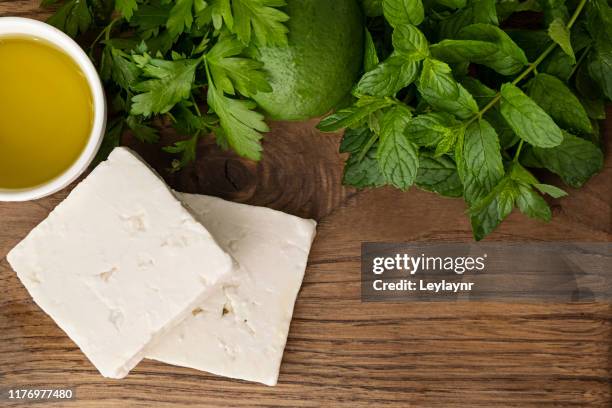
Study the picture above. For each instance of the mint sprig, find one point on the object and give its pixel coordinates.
(479, 104)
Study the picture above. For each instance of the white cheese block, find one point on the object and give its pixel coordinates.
(119, 263)
(241, 331)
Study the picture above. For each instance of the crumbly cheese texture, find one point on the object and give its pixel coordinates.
(119, 263)
(241, 330)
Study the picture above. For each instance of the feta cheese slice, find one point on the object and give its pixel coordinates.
(242, 329)
(119, 262)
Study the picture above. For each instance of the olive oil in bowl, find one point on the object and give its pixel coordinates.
(46, 112)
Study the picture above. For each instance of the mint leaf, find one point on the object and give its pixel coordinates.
(438, 87)
(450, 139)
(507, 137)
(439, 175)
(508, 58)
(599, 25)
(73, 17)
(362, 172)
(355, 139)
(260, 20)
(126, 8)
(240, 124)
(454, 4)
(532, 42)
(519, 173)
(561, 104)
(553, 191)
(372, 8)
(400, 12)
(354, 115)
(559, 33)
(230, 71)
(481, 93)
(600, 68)
(370, 56)
(430, 129)
(554, 9)
(527, 119)
(410, 43)
(456, 51)
(487, 219)
(595, 108)
(479, 161)
(575, 160)
(389, 77)
(559, 64)
(476, 11)
(397, 155)
(170, 83)
(508, 7)
(532, 204)
(488, 212)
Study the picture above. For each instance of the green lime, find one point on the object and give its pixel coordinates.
(322, 61)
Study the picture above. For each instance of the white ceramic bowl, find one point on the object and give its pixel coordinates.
(11, 26)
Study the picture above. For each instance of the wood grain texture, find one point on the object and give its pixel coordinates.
(341, 352)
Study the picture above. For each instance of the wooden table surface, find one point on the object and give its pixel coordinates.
(342, 352)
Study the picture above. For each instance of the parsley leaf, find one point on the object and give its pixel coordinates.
(182, 15)
(73, 17)
(230, 72)
(121, 67)
(219, 12)
(142, 131)
(170, 83)
(240, 124)
(186, 148)
(260, 19)
(126, 8)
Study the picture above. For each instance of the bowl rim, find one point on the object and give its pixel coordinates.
(27, 27)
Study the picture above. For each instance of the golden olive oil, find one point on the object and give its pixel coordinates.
(46, 112)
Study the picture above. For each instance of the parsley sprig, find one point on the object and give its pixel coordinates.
(190, 61)
(450, 101)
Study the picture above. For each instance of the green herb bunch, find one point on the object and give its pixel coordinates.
(167, 58)
(455, 101)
